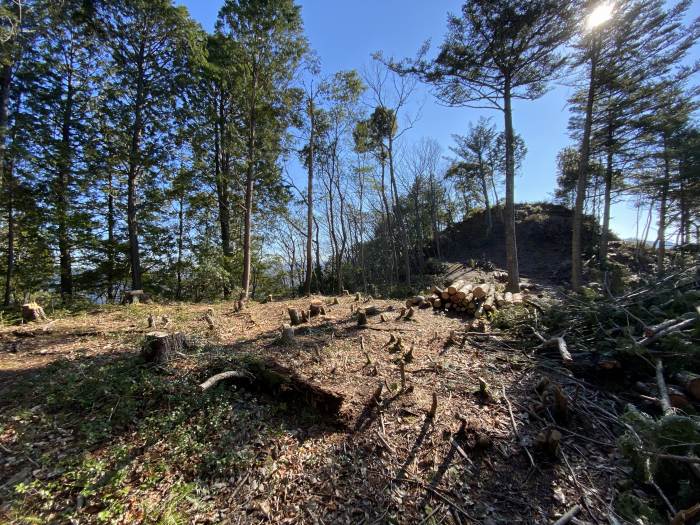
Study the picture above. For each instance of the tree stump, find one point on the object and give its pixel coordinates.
(158, 346)
(361, 317)
(32, 312)
(287, 335)
(136, 297)
(335, 300)
(317, 308)
(296, 317)
(151, 321)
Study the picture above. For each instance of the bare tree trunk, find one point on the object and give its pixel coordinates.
(484, 189)
(576, 263)
(63, 190)
(110, 240)
(605, 232)
(180, 244)
(249, 187)
(7, 179)
(511, 242)
(222, 176)
(9, 187)
(390, 229)
(362, 233)
(661, 253)
(399, 213)
(133, 172)
(310, 200)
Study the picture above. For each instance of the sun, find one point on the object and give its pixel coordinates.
(600, 15)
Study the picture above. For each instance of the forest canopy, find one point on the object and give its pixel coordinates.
(141, 152)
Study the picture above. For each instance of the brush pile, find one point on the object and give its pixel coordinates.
(653, 334)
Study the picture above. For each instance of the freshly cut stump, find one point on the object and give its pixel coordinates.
(158, 346)
(317, 308)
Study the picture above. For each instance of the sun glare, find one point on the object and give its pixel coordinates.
(600, 15)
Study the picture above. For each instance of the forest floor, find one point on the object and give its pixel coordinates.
(89, 433)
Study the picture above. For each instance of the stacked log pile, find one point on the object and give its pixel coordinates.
(476, 299)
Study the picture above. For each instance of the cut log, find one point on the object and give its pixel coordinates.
(666, 406)
(500, 301)
(157, 347)
(517, 298)
(677, 398)
(481, 291)
(32, 312)
(455, 287)
(437, 290)
(437, 303)
(690, 383)
(508, 298)
(295, 316)
(489, 303)
(445, 296)
(464, 291)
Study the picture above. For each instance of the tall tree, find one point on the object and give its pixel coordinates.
(270, 44)
(495, 52)
(151, 43)
(641, 41)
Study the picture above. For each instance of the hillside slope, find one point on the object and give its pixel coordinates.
(543, 233)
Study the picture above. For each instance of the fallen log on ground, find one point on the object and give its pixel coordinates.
(666, 406)
(673, 328)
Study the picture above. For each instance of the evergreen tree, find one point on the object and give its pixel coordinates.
(152, 44)
(269, 45)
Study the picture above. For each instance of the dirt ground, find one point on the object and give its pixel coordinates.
(91, 434)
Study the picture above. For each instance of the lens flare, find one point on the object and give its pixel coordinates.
(599, 16)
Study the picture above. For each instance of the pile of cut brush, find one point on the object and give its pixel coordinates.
(475, 299)
(653, 334)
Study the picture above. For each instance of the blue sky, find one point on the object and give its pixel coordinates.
(346, 33)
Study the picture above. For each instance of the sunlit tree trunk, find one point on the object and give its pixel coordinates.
(511, 242)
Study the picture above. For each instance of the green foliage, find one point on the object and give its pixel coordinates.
(675, 435)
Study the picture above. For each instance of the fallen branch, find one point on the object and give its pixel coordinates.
(559, 342)
(663, 389)
(515, 428)
(566, 518)
(232, 374)
(673, 328)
